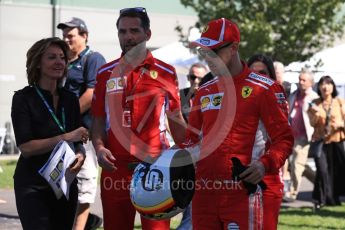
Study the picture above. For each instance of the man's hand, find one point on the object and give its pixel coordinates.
(254, 173)
(78, 163)
(105, 159)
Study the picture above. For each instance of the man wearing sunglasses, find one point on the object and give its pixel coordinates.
(196, 73)
(228, 110)
(133, 96)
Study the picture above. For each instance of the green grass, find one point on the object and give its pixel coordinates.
(6, 176)
(306, 219)
(289, 218)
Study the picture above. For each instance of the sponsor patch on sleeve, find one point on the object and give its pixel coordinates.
(280, 95)
(116, 84)
(283, 105)
(211, 102)
(261, 78)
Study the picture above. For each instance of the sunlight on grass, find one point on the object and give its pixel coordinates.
(6, 176)
(305, 218)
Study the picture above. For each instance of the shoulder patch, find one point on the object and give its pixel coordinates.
(261, 78)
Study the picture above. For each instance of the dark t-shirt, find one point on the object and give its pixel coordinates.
(186, 99)
(82, 75)
(32, 120)
(185, 103)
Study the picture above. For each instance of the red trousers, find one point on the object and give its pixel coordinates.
(272, 201)
(225, 210)
(118, 211)
(234, 209)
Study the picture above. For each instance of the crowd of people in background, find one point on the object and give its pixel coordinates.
(74, 95)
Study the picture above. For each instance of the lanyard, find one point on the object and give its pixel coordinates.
(133, 88)
(70, 65)
(62, 128)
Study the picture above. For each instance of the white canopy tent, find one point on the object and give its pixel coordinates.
(331, 63)
(178, 56)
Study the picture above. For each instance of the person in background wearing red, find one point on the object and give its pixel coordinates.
(272, 196)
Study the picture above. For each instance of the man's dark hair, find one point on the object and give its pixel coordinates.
(135, 13)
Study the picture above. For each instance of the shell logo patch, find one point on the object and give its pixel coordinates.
(204, 102)
(205, 29)
(116, 84)
(111, 84)
(153, 74)
(246, 91)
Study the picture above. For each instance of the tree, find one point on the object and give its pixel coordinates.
(286, 30)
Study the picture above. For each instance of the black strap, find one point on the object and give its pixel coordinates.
(328, 116)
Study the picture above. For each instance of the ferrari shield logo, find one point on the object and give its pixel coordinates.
(246, 91)
(153, 74)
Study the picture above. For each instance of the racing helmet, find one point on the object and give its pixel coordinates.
(164, 188)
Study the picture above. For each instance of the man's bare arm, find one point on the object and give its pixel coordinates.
(85, 100)
(104, 156)
(177, 126)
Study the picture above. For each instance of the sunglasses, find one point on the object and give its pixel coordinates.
(212, 53)
(192, 77)
(134, 9)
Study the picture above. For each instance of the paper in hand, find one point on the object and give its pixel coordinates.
(54, 170)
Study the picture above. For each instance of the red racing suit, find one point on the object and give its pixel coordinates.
(147, 90)
(228, 113)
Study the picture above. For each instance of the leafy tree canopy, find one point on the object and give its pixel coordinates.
(286, 30)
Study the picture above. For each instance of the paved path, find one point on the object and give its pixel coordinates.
(9, 216)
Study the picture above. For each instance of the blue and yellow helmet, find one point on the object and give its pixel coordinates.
(163, 189)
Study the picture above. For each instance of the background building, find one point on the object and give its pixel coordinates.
(24, 22)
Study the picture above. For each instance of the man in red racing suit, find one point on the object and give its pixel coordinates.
(228, 111)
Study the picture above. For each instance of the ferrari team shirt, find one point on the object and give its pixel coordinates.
(147, 91)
